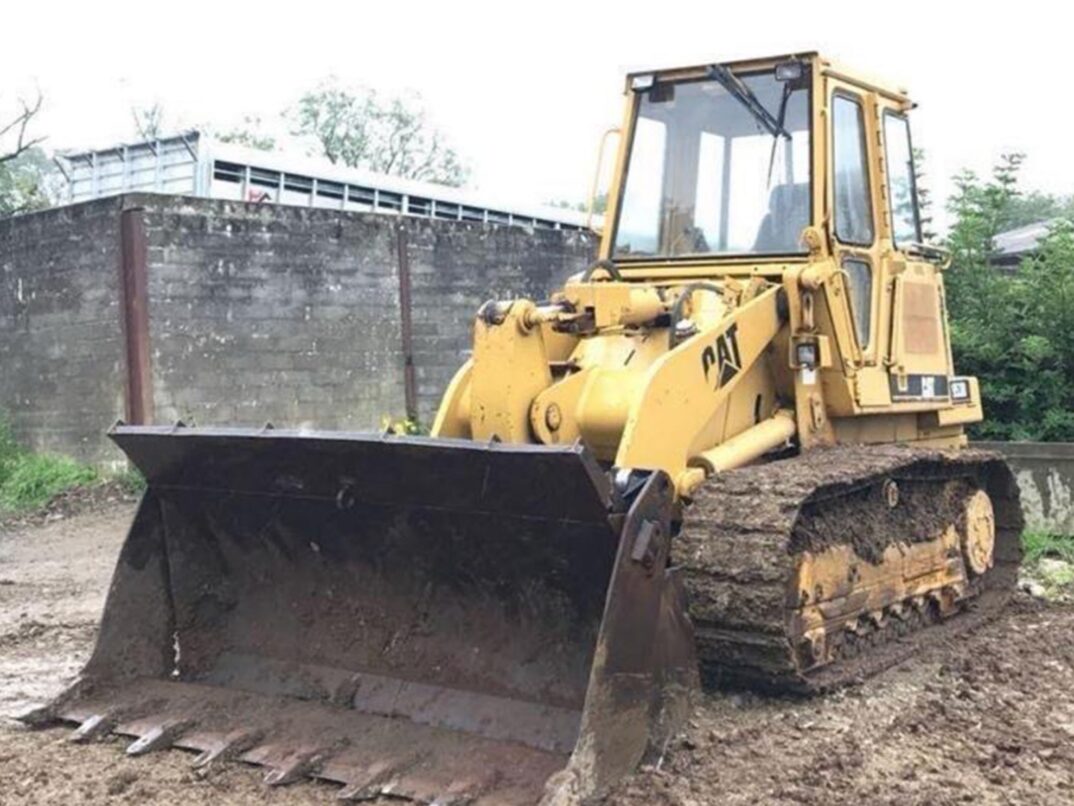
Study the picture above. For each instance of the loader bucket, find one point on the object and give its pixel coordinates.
(433, 619)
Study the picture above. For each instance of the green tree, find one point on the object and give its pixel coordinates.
(16, 132)
(359, 128)
(24, 168)
(981, 210)
(149, 121)
(24, 183)
(600, 204)
(250, 134)
(924, 198)
(1034, 207)
(1014, 330)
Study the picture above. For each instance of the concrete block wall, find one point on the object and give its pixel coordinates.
(62, 373)
(281, 314)
(253, 313)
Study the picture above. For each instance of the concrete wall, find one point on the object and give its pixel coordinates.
(252, 313)
(293, 315)
(1045, 473)
(61, 341)
(277, 314)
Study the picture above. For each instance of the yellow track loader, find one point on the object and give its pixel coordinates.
(731, 452)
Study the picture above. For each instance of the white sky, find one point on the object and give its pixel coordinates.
(525, 90)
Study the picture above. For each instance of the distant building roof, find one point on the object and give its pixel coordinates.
(193, 164)
(1013, 245)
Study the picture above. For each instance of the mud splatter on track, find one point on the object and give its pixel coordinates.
(741, 538)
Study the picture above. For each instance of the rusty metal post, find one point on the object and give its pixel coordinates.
(134, 314)
(406, 323)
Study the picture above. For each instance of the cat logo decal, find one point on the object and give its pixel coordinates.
(724, 355)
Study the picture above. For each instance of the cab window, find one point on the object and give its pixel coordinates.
(860, 281)
(719, 166)
(853, 207)
(905, 221)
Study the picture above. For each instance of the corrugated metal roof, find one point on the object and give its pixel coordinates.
(191, 163)
(1021, 241)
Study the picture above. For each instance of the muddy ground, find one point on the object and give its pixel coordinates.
(986, 718)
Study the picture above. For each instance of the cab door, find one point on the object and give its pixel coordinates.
(856, 242)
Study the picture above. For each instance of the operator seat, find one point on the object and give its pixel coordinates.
(788, 215)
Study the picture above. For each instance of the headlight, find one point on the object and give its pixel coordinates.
(806, 354)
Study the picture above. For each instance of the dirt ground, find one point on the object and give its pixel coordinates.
(985, 718)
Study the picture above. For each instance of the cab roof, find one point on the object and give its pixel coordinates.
(827, 67)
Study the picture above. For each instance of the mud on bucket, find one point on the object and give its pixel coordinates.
(436, 619)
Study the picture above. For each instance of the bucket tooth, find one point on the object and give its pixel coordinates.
(296, 766)
(38, 716)
(159, 737)
(380, 778)
(443, 782)
(418, 788)
(228, 747)
(343, 693)
(92, 728)
(463, 792)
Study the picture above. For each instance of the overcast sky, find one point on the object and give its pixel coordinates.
(525, 90)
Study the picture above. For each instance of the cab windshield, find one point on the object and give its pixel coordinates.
(719, 166)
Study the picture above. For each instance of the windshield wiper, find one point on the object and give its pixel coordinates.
(775, 140)
(744, 95)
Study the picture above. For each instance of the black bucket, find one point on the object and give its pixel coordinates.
(435, 619)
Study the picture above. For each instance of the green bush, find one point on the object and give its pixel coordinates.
(33, 479)
(1013, 330)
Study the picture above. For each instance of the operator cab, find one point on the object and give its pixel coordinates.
(767, 166)
(727, 161)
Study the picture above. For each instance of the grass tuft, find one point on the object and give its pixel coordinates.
(9, 449)
(1039, 545)
(33, 479)
(406, 427)
(29, 480)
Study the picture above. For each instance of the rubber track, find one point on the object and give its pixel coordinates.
(737, 555)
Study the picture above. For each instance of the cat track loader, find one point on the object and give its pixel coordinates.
(730, 452)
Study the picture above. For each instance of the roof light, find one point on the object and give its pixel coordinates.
(789, 71)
